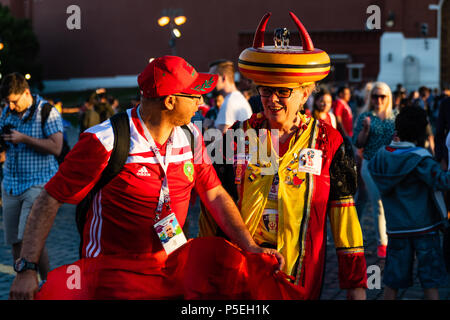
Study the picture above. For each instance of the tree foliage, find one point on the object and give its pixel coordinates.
(21, 48)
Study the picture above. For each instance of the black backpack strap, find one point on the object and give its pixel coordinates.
(121, 128)
(45, 112)
(190, 135)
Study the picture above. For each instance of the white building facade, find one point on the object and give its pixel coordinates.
(413, 62)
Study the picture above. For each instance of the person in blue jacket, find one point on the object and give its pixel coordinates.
(410, 183)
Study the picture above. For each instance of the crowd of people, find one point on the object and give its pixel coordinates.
(330, 154)
(366, 120)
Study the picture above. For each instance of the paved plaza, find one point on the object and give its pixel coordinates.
(63, 241)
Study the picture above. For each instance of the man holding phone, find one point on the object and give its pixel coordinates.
(30, 148)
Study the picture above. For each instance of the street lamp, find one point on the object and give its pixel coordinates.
(390, 22)
(176, 32)
(172, 18)
(179, 20)
(163, 21)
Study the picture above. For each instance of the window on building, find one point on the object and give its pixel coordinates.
(355, 72)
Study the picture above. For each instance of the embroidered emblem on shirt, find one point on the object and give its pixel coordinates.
(143, 172)
(189, 170)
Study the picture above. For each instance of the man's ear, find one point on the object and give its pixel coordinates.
(224, 78)
(169, 102)
(28, 96)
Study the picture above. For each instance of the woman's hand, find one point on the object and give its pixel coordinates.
(363, 135)
(366, 124)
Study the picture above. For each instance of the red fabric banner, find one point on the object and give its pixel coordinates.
(204, 268)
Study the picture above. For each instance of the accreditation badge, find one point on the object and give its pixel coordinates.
(310, 161)
(273, 193)
(170, 233)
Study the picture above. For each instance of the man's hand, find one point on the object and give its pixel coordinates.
(356, 294)
(15, 137)
(273, 252)
(51, 145)
(24, 286)
(39, 223)
(228, 218)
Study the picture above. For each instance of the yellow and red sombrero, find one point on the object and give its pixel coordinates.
(287, 66)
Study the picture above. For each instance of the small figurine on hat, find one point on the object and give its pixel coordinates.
(282, 65)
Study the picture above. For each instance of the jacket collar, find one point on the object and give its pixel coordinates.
(402, 144)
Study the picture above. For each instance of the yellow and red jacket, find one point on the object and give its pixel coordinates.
(302, 206)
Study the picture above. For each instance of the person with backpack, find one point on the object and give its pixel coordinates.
(129, 212)
(32, 144)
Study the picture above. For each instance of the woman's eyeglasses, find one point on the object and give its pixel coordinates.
(379, 96)
(266, 92)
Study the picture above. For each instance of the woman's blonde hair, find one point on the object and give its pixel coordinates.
(383, 86)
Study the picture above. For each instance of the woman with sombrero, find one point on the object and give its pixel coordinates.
(284, 198)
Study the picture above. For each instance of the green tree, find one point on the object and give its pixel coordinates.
(20, 48)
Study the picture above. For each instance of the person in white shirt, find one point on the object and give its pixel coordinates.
(235, 107)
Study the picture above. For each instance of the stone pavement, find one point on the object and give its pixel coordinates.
(63, 242)
(331, 290)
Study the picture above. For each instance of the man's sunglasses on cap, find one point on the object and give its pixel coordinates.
(267, 92)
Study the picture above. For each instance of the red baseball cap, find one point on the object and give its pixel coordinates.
(170, 74)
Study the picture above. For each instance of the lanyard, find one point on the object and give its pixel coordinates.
(164, 197)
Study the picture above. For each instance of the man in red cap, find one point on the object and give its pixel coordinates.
(129, 214)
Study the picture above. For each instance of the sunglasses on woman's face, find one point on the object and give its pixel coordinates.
(379, 96)
(267, 92)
